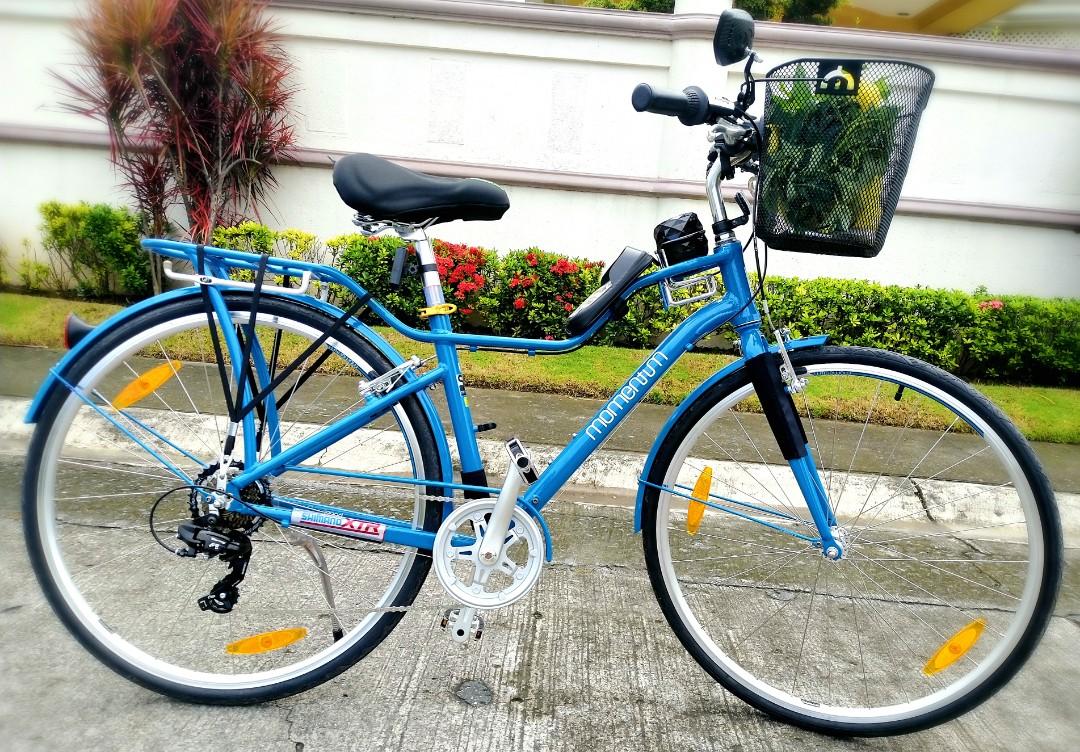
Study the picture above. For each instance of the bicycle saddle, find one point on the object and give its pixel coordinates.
(383, 190)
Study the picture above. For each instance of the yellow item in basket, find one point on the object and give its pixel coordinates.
(870, 199)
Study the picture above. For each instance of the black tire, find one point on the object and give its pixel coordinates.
(664, 546)
(35, 532)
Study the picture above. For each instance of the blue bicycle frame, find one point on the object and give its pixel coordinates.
(736, 306)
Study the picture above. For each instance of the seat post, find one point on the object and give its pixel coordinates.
(429, 270)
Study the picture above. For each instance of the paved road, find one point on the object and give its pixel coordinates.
(586, 662)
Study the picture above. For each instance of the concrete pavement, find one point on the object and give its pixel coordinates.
(585, 662)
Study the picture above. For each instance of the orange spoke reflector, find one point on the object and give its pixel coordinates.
(697, 510)
(267, 641)
(955, 647)
(146, 384)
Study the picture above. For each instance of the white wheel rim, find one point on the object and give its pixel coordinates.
(86, 615)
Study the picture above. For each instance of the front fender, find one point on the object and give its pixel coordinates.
(52, 381)
(795, 344)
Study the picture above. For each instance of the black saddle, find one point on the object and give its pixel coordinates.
(383, 190)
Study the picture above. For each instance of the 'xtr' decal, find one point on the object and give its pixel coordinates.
(339, 524)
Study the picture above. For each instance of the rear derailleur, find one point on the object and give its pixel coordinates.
(224, 535)
(232, 546)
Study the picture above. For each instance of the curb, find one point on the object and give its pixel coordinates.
(963, 504)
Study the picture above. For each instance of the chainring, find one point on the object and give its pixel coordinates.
(472, 583)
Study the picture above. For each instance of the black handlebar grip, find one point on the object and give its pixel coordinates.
(691, 105)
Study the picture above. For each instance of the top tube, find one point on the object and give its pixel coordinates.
(243, 260)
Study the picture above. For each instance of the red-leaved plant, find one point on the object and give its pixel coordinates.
(195, 97)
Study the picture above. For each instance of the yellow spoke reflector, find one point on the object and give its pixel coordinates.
(146, 384)
(697, 510)
(955, 647)
(267, 641)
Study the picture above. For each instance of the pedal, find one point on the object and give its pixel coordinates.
(463, 622)
(521, 460)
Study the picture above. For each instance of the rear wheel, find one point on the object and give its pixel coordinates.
(952, 546)
(101, 524)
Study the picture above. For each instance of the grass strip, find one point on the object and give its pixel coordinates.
(1041, 413)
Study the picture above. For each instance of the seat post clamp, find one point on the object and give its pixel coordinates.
(436, 310)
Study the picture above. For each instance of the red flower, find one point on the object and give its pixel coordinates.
(568, 307)
(997, 305)
(519, 303)
(515, 281)
(563, 267)
(548, 336)
(465, 310)
(531, 259)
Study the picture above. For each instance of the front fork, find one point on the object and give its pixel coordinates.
(764, 368)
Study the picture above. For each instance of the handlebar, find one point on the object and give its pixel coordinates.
(691, 105)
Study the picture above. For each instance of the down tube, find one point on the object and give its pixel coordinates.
(607, 419)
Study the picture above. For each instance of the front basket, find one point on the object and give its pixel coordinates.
(838, 139)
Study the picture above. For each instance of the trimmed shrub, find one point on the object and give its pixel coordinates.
(920, 322)
(465, 270)
(1010, 338)
(1021, 338)
(651, 6)
(34, 275)
(94, 249)
(536, 292)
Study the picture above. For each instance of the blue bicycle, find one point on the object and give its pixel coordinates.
(236, 489)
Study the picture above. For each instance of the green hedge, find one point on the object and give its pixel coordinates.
(1004, 338)
(530, 293)
(92, 249)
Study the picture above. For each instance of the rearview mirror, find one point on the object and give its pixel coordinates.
(734, 36)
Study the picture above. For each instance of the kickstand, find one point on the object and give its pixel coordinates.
(309, 544)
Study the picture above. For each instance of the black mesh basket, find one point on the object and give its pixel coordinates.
(836, 151)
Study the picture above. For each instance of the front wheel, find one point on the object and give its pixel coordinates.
(952, 546)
